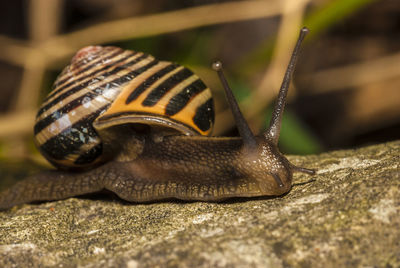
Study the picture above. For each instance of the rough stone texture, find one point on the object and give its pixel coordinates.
(347, 216)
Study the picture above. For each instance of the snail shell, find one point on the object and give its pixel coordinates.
(108, 86)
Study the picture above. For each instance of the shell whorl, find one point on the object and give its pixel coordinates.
(113, 86)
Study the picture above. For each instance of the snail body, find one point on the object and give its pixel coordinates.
(141, 132)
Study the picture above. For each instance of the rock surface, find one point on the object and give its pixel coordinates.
(348, 215)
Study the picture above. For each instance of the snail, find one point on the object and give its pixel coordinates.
(125, 122)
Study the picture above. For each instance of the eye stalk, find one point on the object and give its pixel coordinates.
(249, 140)
(275, 124)
(273, 131)
(271, 135)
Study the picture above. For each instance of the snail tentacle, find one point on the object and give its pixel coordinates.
(275, 124)
(244, 130)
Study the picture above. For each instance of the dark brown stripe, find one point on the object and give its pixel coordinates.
(179, 101)
(81, 86)
(149, 81)
(59, 85)
(71, 139)
(87, 83)
(157, 93)
(204, 117)
(74, 66)
(90, 155)
(89, 96)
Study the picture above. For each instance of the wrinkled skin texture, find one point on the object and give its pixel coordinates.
(187, 168)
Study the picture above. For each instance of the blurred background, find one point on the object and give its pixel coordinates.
(345, 93)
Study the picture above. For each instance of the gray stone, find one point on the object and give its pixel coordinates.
(347, 215)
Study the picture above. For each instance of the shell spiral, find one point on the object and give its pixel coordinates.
(116, 86)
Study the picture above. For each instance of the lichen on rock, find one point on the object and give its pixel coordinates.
(347, 215)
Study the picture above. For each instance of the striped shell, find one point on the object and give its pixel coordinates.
(117, 86)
